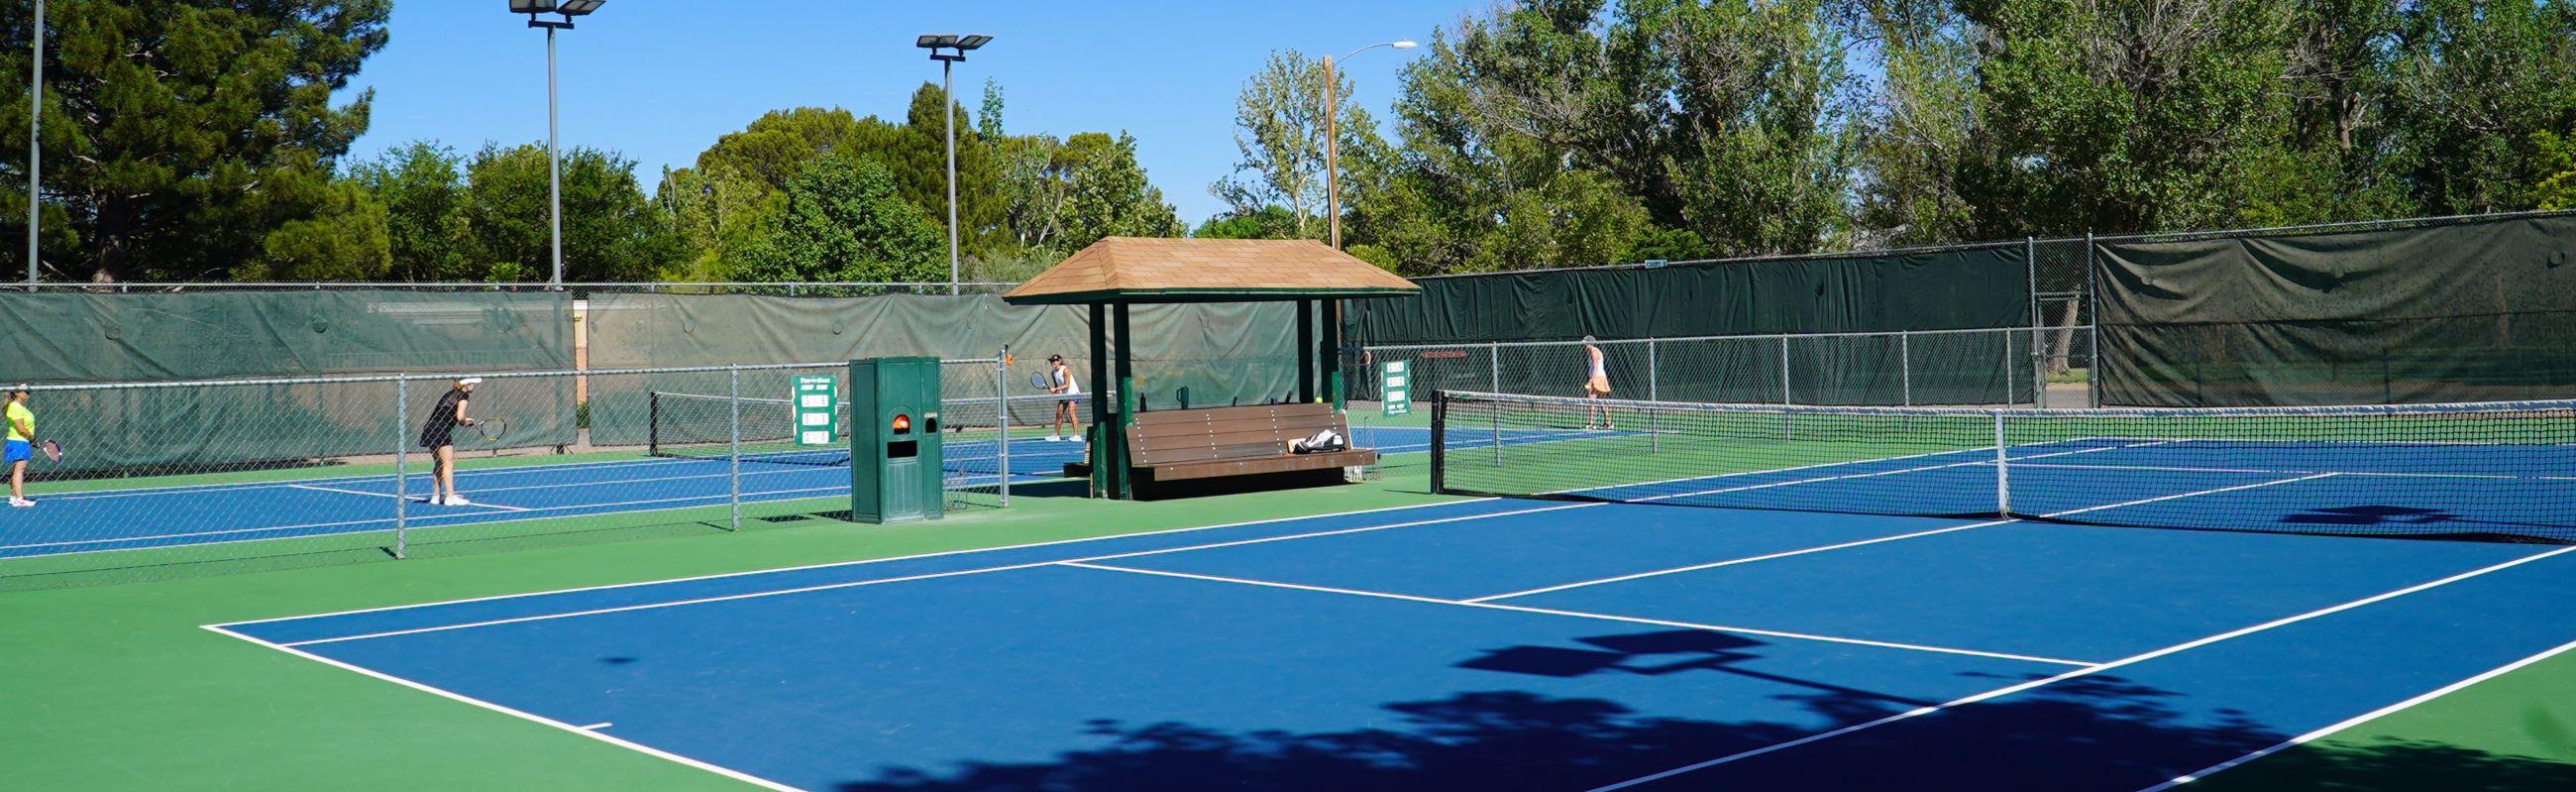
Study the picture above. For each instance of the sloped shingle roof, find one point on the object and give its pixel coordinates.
(1139, 270)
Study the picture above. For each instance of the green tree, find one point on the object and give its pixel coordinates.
(182, 139)
(422, 190)
(2556, 188)
(845, 219)
(1921, 127)
(919, 163)
(1107, 194)
(2129, 115)
(2470, 86)
(610, 230)
(1268, 222)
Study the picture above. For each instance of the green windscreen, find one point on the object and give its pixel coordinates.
(2461, 312)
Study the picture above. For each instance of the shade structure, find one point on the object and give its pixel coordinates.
(1139, 270)
(1118, 272)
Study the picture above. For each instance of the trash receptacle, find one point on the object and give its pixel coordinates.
(895, 471)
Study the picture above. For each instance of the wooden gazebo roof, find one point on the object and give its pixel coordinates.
(1139, 270)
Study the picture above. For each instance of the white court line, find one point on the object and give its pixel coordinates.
(521, 714)
(877, 581)
(414, 498)
(2122, 662)
(1847, 476)
(1044, 544)
(2363, 718)
(191, 489)
(1732, 562)
(766, 495)
(1786, 554)
(1578, 614)
(2277, 471)
(595, 726)
(1010, 548)
(838, 564)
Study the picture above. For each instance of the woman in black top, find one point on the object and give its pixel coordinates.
(443, 420)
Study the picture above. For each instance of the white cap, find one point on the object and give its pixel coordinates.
(471, 380)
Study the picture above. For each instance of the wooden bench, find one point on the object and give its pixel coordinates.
(1176, 445)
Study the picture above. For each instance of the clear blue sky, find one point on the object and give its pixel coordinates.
(660, 80)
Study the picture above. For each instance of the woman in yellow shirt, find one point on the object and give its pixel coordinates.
(22, 445)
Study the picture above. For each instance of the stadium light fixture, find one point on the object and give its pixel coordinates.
(938, 44)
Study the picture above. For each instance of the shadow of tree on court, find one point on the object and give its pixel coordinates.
(2086, 733)
(2403, 766)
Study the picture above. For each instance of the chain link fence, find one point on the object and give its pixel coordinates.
(1992, 366)
(163, 480)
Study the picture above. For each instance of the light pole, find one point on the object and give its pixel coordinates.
(35, 143)
(1332, 147)
(935, 42)
(554, 168)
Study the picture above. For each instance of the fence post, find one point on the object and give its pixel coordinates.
(1784, 371)
(1494, 368)
(2038, 326)
(2008, 367)
(1002, 392)
(1905, 363)
(2003, 480)
(733, 407)
(402, 458)
(1654, 418)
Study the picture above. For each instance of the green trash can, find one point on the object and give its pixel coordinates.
(895, 471)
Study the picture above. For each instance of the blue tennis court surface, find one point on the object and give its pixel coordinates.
(167, 516)
(128, 519)
(1503, 644)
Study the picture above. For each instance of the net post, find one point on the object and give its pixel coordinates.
(2093, 326)
(1002, 420)
(652, 423)
(1439, 441)
(2003, 478)
(733, 407)
(402, 460)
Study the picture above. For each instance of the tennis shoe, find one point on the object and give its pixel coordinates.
(458, 500)
(21, 502)
(1055, 438)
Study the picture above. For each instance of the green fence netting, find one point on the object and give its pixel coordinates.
(85, 339)
(2474, 310)
(1954, 288)
(1185, 355)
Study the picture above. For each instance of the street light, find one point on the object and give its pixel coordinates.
(935, 42)
(1332, 145)
(554, 170)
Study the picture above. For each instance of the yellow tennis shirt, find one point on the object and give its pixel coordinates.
(18, 413)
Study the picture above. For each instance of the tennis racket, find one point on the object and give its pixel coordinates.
(1039, 381)
(53, 451)
(492, 428)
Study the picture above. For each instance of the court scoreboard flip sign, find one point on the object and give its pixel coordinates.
(1398, 388)
(817, 399)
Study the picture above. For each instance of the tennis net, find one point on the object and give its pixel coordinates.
(2499, 471)
(701, 426)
